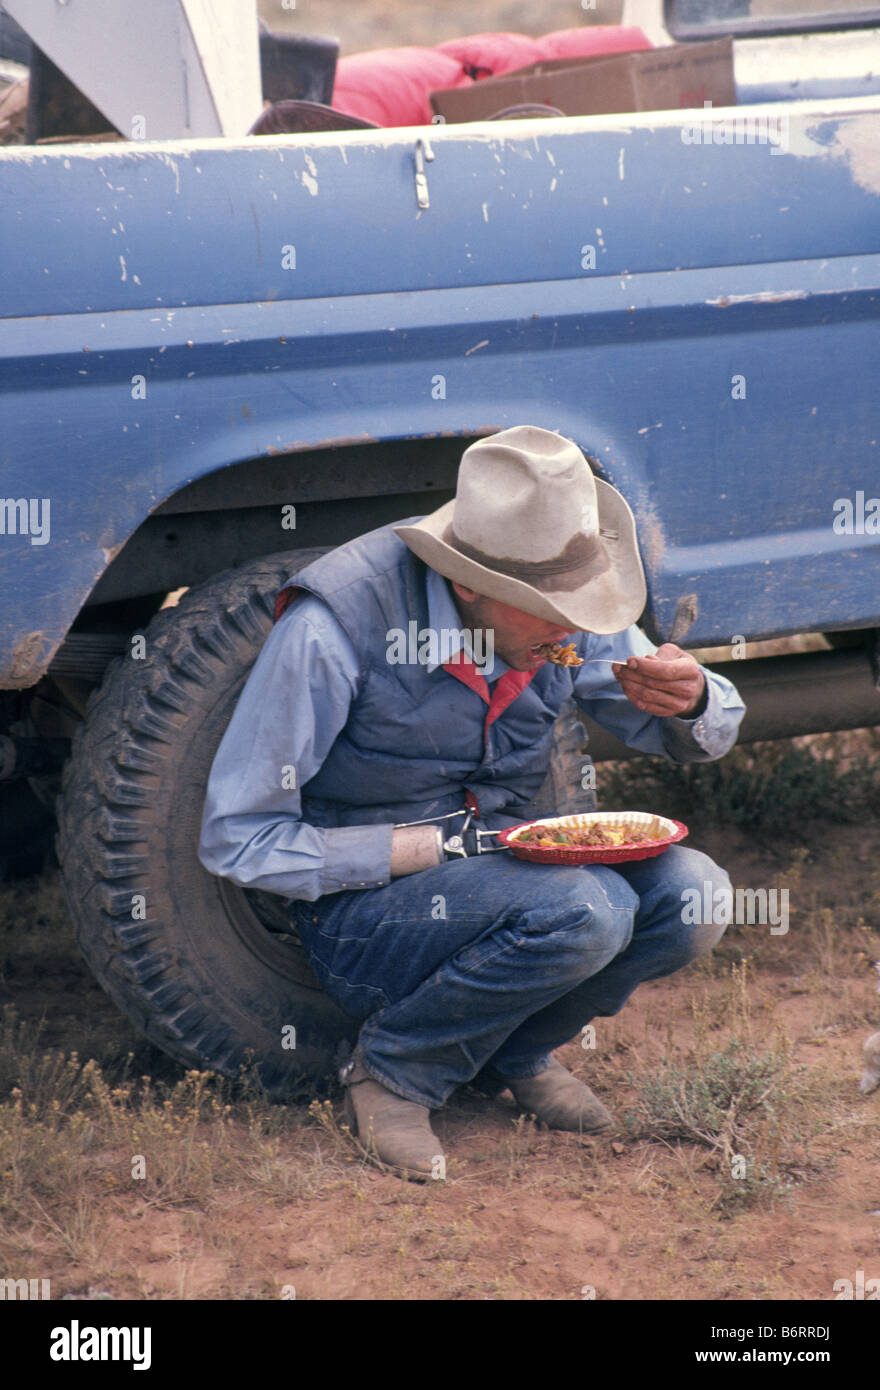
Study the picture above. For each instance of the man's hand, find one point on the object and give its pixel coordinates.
(670, 683)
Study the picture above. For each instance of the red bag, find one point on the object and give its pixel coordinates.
(492, 55)
(390, 86)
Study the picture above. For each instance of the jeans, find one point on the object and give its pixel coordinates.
(493, 963)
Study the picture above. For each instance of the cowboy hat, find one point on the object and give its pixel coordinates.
(532, 526)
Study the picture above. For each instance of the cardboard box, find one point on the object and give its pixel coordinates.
(658, 79)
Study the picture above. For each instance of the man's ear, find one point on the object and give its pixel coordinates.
(468, 595)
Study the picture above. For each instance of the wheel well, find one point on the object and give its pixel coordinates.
(318, 497)
(307, 499)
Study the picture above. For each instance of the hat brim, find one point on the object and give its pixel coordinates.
(610, 602)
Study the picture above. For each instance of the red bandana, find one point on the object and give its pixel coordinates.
(507, 687)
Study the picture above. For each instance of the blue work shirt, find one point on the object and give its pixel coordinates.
(297, 700)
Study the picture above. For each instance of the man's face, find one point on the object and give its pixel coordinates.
(515, 634)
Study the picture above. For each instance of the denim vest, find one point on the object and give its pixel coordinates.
(415, 741)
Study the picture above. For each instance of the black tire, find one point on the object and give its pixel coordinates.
(211, 974)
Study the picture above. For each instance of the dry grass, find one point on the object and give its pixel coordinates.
(772, 790)
(74, 1145)
(743, 1103)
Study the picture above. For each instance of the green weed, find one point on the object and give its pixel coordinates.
(773, 788)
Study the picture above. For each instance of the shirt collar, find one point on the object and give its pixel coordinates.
(444, 618)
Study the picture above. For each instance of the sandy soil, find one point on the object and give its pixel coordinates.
(526, 1213)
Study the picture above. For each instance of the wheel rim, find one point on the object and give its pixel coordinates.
(262, 924)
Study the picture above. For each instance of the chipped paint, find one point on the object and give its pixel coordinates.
(620, 163)
(310, 179)
(476, 347)
(845, 131)
(24, 661)
(172, 164)
(331, 442)
(859, 143)
(124, 270)
(651, 535)
(760, 297)
(686, 613)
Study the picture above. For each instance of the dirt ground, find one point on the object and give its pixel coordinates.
(524, 1213)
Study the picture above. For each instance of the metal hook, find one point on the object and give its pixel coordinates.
(423, 152)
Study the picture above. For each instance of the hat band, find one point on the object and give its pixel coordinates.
(584, 558)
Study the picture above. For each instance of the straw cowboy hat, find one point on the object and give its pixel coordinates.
(532, 526)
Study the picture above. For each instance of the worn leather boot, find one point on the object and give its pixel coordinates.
(561, 1101)
(393, 1133)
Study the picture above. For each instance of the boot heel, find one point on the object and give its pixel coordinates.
(350, 1117)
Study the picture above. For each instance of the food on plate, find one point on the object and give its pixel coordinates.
(594, 836)
(559, 655)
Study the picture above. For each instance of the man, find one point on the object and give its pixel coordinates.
(367, 735)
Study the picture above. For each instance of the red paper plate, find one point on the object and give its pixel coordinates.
(671, 831)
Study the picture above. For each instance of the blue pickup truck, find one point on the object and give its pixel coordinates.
(220, 358)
